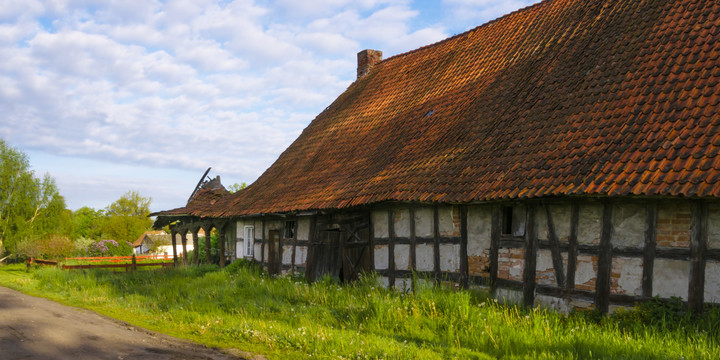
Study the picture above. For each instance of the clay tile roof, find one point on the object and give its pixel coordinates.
(203, 200)
(566, 97)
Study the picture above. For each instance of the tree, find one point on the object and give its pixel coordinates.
(87, 223)
(30, 208)
(127, 218)
(236, 187)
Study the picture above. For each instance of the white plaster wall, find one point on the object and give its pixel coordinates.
(287, 254)
(380, 224)
(589, 224)
(506, 296)
(402, 257)
(424, 259)
(381, 257)
(303, 228)
(449, 257)
(584, 272)
(258, 229)
(300, 255)
(445, 221)
(272, 225)
(712, 281)
(256, 253)
(628, 225)
(403, 285)
(424, 222)
(544, 260)
(671, 278)
(401, 218)
(552, 303)
(714, 226)
(630, 269)
(561, 214)
(479, 226)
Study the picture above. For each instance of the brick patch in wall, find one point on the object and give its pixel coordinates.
(510, 264)
(673, 226)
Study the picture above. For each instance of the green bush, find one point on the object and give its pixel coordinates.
(49, 247)
(109, 248)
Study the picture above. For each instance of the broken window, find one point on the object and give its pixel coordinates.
(290, 229)
(513, 220)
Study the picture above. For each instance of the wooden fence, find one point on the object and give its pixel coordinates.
(129, 263)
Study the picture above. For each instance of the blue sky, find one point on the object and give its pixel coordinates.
(110, 96)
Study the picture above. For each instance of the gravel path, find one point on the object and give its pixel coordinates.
(37, 328)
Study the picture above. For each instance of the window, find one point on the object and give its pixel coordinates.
(249, 240)
(290, 229)
(513, 220)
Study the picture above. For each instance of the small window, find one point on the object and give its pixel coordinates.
(249, 240)
(513, 220)
(290, 229)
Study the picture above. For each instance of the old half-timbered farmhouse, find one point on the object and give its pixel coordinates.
(564, 154)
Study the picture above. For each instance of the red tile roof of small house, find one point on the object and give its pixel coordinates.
(565, 97)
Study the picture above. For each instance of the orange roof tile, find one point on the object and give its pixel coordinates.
(566, 97)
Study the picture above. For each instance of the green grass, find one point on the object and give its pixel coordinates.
(285, 317)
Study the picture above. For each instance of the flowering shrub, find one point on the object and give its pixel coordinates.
(109, 248)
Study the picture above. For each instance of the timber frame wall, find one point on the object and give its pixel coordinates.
(577, 253)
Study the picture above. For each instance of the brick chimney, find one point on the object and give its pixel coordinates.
(366, 60)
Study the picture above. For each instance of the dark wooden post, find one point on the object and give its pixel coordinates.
(196, 246)
(391, 248)
(555, 248)
(650, 246)
(183, 240)
(413, 247)
(464, 267)
(221, 243)
(698, 248)
(573, 244)
(530, 257)
(494, 247)
(436, 247)
(173, 232)
(604, 272)
(262, 243)
(208, 230)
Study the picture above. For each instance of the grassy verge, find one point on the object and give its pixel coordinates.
(240, 307)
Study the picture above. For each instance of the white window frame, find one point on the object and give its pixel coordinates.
(249, 240)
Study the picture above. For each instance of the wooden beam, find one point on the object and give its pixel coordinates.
(436, 247)
(555, 248)
(530, 267)
(173, 232)
(196, 246)
(294, 245)
(464, 267)
(413, 247)
(262, 243)
(183, 240)
(602, 281)
(208, 230)
(698, 248)
(391, 249)
(650, 246)
(573, 244)
(494, 247)
(221, 244)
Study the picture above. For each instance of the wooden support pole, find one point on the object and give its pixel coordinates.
(602, 281)
(698, 249)
(555, 248)
(494, 247)
(221, 244)
(183, 240)
(310, 260)
(173, 232)
(391, 249)
(196, 246)
(530, 257)
(208, 230)
(371, 236)
(573, 244)
(464, 267)
(650, 246)
(436, 247)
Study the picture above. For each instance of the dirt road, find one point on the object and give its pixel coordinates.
(37, 328)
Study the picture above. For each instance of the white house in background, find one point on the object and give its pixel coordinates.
(161, 242)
